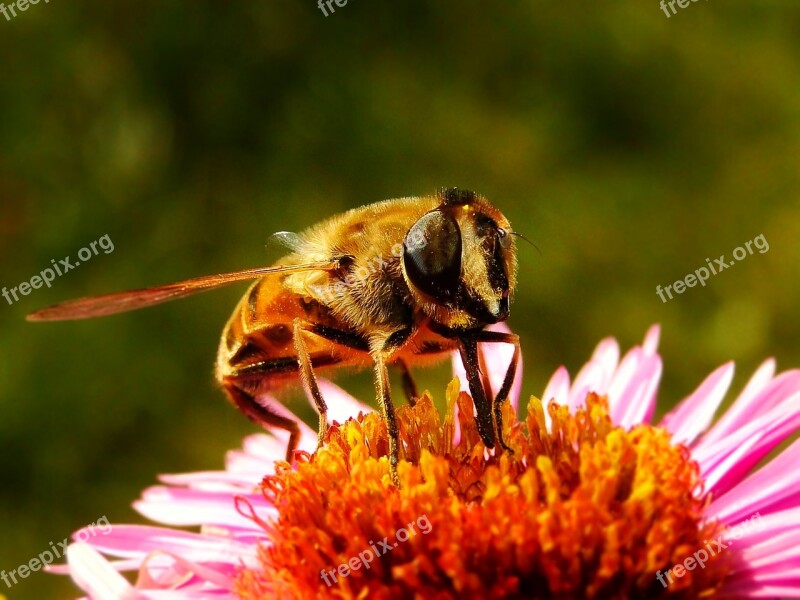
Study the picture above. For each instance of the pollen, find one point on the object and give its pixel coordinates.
(580, 509)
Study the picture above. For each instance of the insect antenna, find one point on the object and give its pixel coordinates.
(519, 235)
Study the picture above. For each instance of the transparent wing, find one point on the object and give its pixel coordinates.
(288, 239)
(109, 304)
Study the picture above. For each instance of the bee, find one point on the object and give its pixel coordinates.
(397, 283)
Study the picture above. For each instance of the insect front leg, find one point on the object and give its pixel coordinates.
(487, 336)
(468, 349)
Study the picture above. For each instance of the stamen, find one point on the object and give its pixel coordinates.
(584, 509)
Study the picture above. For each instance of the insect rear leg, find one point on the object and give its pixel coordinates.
(247, 403)
(239, 379)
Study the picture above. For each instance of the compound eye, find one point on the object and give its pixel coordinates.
(432, 256)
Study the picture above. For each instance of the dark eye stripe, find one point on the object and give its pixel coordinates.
(496, 269)
(485, 225)
(487, 228)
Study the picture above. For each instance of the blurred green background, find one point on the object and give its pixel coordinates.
(629, 146)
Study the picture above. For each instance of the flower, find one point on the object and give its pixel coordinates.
(593, 502)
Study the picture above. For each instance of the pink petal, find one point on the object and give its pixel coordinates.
(632, 391)
(637, 404)
(729, 421)
(693, 415)
(651, 339)
(768, 556)
(93, 574)
(268, 448)
(557, 388)
(596, 375)
(260, 451)
(181, 573)
(626, 381)
(217, 481)
(774, 486)
(630, 385)
(341, 405)
(606, 355)
(182, 507)
(585, 382)
(777, 551)
(787, 589)
(131, 541)
(725, 463)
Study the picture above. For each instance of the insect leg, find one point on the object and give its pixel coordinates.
(468, 348)
(309, 379)
(409, 387)
(247, 403)
(507, 338)
(347, 339)
(384, 395)
(484, 374)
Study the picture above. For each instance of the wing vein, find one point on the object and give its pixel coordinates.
(117, 302)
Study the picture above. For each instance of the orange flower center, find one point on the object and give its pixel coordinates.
(587, 510)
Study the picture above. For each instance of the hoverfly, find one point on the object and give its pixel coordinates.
(398, 282)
